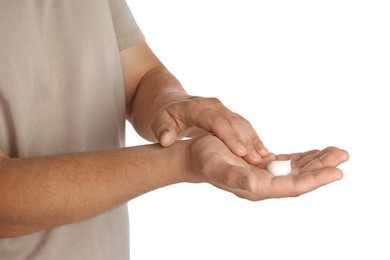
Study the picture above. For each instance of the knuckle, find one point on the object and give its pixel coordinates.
(206, 102)
(214, 101)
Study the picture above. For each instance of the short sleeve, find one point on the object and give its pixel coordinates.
(126, 28)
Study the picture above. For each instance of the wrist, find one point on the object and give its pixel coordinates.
(182, 160)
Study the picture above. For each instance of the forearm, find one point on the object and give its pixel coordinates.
(156, 89)
(45, 192)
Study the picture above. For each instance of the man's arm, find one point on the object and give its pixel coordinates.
(160, 109)
(45, 192)
(149, 86)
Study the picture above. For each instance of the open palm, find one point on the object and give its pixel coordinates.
(310, 170)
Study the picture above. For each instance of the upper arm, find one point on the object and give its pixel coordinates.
(136, 61)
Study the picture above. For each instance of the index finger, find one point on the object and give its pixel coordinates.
(296, 185)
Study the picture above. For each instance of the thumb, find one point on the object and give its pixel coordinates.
(164, 129)
(167, 137)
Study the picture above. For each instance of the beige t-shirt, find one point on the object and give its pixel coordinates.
(61, 91)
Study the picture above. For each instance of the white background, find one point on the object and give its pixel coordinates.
(306, 74)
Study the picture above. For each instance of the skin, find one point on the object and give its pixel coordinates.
(45, 192)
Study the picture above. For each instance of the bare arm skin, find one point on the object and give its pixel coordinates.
(41, 193)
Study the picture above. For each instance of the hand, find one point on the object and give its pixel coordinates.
(193, 116)
(213, 163)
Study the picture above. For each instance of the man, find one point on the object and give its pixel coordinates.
(71, 72)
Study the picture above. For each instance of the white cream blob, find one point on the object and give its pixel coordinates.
(278, 168)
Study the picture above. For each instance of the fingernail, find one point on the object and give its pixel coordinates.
(165, 138)
(256, 155)
(264, 152)
(242, 148)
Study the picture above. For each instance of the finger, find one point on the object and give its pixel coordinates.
(310, 181)
(211, 115)
(295, 156)
(212, 121)
(301, 159)
(330, 157)
(293, 186)
(287, 186)
(266, 160)
(165, 129)
(248, 137)
(197, 132)
(304, 160)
